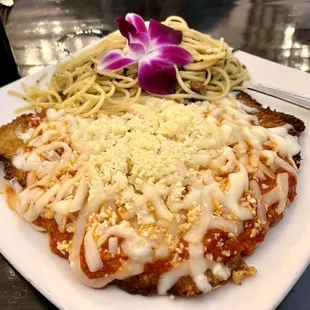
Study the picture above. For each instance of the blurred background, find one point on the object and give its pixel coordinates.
(41, 32)
(37, 33)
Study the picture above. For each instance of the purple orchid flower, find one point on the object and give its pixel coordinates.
(156, 51)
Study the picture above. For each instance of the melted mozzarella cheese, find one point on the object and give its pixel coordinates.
(168, 279)
(278, 194)
(150, 177)
(198, 266)
(92, 256)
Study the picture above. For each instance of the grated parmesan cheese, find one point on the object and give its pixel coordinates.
(154, 176)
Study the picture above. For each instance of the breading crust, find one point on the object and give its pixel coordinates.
(271, 118)
(11, 144)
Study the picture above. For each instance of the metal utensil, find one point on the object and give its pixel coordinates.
(299, 100)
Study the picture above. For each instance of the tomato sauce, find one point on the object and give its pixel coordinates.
(292, 188)
(111, 262)
(56, 236)
(267, 185)
(222, 247)
(158, 267)
(217, 242)
(248, 243)
(35, 119)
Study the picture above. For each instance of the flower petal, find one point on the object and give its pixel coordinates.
(114, 60)
(126, 29)
(174, 54)
(156, 76)
(137, 21)
(132, 35)
(136, 50)
(141, 38)
(163, 35)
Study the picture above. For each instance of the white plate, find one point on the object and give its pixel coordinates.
(280, 260)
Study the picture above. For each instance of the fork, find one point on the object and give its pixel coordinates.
(299, 100)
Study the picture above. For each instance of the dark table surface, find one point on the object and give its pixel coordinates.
(40, 32)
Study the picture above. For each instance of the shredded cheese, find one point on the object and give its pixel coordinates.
(153, 176)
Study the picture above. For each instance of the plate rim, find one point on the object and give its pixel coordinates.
(43, 288)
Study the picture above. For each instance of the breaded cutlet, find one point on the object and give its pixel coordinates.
(146, 283)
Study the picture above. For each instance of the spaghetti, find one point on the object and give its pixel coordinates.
(79, 88)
